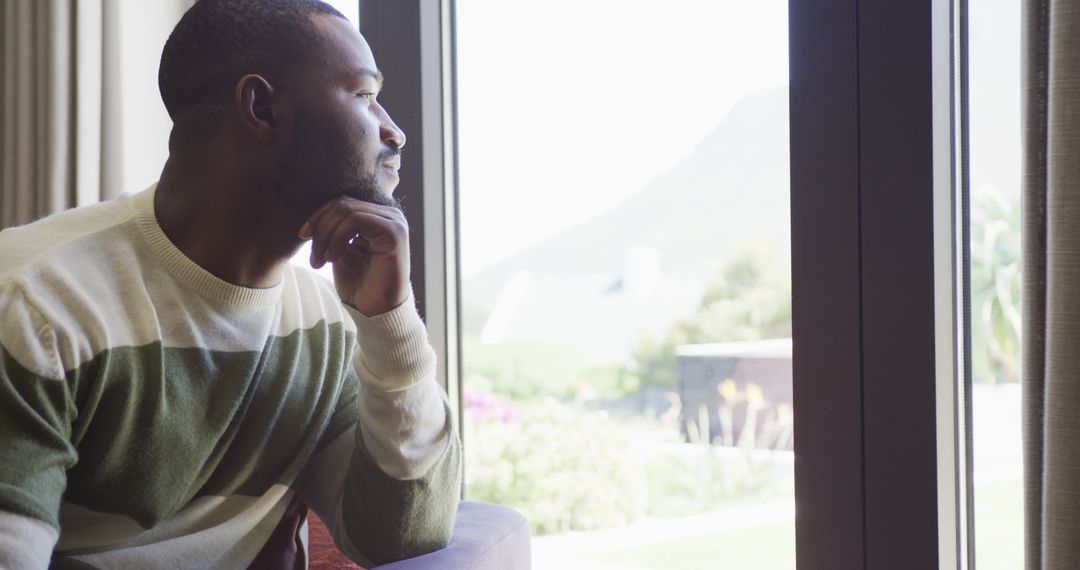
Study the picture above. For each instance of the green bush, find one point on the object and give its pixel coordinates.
(751, 300)
(689, 485)
(522, 370)
(563, 467)
(527, 370)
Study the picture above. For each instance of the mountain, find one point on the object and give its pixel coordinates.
(731, 190)
(645, 262)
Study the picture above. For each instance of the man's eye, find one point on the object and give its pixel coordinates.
(366, 95)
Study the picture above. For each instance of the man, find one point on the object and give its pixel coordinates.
(173, 393)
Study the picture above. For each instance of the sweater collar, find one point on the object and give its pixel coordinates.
(189, 273)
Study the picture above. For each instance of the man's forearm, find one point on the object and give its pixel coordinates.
(403, 414)
(389, 487)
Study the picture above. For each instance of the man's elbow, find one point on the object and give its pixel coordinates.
(417, 515)
(430, 532)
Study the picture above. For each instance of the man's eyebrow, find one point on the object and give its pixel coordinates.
(364, 71)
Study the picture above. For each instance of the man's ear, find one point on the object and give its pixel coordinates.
(255, 100)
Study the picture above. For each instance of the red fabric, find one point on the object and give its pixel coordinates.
(322, 554)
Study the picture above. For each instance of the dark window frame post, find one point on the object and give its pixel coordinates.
(874, 249)
(412, 43)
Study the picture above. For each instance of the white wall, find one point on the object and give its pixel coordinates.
(137, 126)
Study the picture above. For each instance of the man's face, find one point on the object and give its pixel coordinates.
(342, 142)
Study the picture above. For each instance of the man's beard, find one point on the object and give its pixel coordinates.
(365, 190)
(316, 171)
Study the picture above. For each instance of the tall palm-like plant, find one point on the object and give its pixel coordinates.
(995, 286)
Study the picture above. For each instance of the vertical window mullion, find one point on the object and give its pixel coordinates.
(908, 284)
(410, 43)
(874, 285)
(826, 308)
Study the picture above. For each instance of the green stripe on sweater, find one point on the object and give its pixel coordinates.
(157, 427)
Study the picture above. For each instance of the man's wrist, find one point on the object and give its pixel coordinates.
(393, 347)
(372, 309)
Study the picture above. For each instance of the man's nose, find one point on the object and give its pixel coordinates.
(391, 134)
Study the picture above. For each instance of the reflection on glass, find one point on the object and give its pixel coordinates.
(626, 279)
(994, 108)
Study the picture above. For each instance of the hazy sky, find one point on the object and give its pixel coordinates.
(995, 95)
(567, 106)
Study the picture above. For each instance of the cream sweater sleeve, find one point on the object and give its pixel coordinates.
(388, 488)
(403, 410)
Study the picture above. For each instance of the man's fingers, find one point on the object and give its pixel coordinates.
(331, 218)
(376, 222)
(340, 238)
(332, 234)
(346, 204)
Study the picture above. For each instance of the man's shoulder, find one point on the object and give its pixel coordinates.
(72, 237)
(55, 275)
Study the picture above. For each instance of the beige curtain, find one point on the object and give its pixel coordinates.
(80, 119)
(50, 126)
(1051, 234)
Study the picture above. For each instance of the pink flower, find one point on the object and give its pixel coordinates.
(481, 406)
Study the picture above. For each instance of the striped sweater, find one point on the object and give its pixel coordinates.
(155, 416)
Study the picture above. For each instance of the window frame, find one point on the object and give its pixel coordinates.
(880, 477)
(413, 45)
(880, 471)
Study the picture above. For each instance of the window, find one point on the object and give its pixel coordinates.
(625, 287)
(881, 475)
(994, 110)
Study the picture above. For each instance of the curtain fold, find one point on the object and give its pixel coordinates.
(79, 117)
(39, 92)
(1051, 234)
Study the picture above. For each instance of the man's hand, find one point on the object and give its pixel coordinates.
(369, 247)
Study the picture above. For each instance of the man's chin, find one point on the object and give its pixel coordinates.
(370, 194)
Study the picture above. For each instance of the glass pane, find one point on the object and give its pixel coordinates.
(624, 227)
(994, 107)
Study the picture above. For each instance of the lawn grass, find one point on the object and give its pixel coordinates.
(764, 547)
(998, 527)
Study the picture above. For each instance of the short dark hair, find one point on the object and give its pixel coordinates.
(219, 41)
